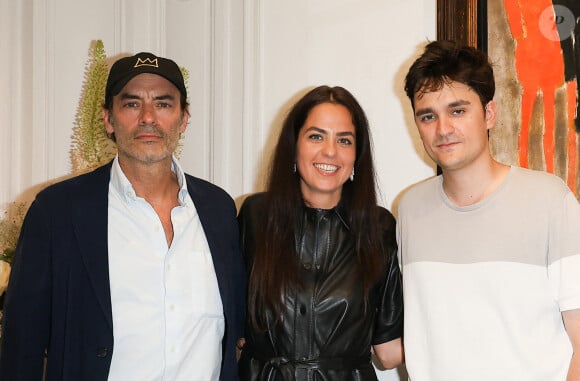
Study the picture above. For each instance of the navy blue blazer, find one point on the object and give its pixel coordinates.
(58, 302)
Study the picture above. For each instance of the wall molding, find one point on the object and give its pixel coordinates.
(225, 66)
(140, 25)
(10, 13)
(252, 122)
(43, 92)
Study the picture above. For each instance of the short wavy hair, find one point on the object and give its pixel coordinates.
(447, 61)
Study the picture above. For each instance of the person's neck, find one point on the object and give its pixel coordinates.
(325, 203)
(153, 182)
(468, 186)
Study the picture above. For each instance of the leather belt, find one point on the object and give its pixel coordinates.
(286, 368)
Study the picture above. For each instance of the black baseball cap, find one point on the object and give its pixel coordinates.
(124, 69)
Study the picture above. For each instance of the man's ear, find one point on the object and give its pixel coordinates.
(490, 114)
(107, 118)
(184, 120)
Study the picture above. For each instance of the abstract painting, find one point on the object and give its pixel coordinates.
(534, 47)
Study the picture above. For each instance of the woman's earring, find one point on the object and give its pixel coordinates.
(294, 168)
(352, 175)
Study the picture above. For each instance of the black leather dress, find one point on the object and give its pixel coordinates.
(327, 329)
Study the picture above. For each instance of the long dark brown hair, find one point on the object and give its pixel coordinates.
(275, 267)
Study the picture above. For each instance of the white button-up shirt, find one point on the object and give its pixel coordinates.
(168, 321)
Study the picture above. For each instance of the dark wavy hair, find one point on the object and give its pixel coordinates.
(275, 267)
(446, 61)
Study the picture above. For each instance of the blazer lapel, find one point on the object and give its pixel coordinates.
(211, 227)
(90, 220)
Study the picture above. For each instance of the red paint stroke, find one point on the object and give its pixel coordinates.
(540, 70)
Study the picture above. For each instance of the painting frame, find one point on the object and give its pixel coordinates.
(464, 21)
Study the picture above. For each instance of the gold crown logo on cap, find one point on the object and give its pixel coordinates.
(146, 62)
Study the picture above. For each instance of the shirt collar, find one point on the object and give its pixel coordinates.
(125, 189)
(340, 211)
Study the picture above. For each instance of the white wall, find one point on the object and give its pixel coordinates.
(365, 47)
(248, 61)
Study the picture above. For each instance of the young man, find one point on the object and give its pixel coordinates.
(490, 253)
(133, 271)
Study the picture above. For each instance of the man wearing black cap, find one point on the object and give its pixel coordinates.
(132, 271)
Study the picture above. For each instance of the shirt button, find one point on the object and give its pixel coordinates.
(307, 266)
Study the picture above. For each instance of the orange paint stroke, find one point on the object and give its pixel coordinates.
(540, 69)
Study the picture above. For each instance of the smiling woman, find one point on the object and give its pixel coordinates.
(325, 154)
(317, 246)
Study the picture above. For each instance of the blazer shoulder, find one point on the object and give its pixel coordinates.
(80, 186)
(205, 188)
